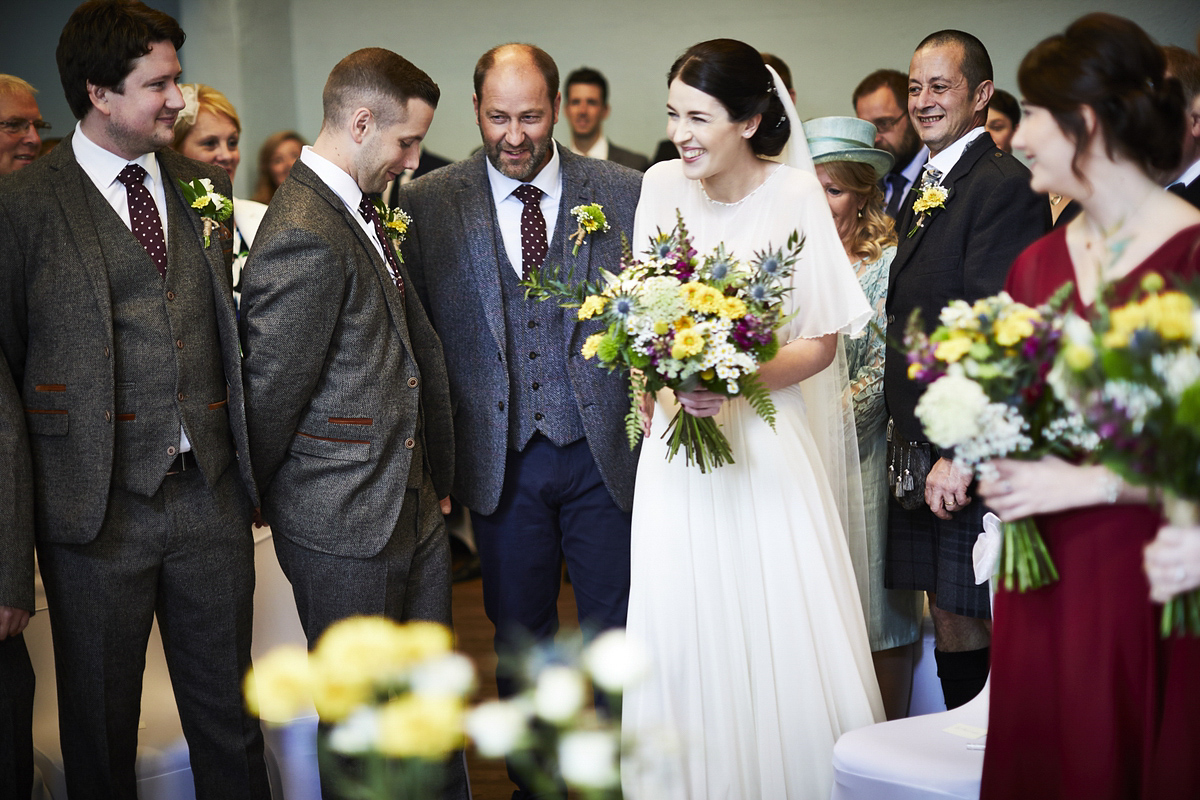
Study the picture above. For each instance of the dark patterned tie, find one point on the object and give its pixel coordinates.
(143, 215)
(366, 207)
(897, 182)
(533, 228)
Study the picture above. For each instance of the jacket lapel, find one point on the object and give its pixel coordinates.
(69, 184)
(575, 192)
(476, 217)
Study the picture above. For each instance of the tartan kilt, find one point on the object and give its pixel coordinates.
(933, 555)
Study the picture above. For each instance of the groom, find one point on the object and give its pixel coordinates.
(541, 454)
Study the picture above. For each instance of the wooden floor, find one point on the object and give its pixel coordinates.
(489, 781)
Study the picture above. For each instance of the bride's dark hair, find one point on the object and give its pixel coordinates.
(734, 73)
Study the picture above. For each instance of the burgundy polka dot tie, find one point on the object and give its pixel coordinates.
(366, 207)
(143, 215)
(533, 228)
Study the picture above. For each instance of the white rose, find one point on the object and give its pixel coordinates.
(452, 674)
(560, 694)
(614, 662)
(588, 759)
(950, 408)
(357, 733)
(497, 727)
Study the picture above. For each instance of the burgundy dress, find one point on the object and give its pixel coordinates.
(1078, 671)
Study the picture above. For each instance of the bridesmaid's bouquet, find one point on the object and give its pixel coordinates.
(986, 367)
(675, 320)
(1134, 375)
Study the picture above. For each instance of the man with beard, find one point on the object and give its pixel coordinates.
(587, 109)
(542, 458)
(117, 323)
(882, 100)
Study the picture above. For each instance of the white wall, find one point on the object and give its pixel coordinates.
(272, 56)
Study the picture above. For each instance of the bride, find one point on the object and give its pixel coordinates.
(742, 587)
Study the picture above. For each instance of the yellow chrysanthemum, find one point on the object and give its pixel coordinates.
(709, 301)
(733, 308)
(1015, 326)
(592, 306)
(421, 726)
(278, 686)
(1174, 320)
(931, 197)
(688, 342)
(683, 323)
(591, 344)
(200, 202)
(952, 350)
(691, 293)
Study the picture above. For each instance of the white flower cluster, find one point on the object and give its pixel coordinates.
(1074, 431)
(1133, 400)
(950, 409)
(959, 315)
(1001, 433)
(1178, 371)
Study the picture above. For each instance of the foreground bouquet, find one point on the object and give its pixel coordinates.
(986, 366)
(549, 730)
(392, 694)
(1134, 374)
(682, 322)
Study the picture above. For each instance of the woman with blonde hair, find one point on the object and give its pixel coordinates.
(208, 130)
(275, 159)
(849, 168)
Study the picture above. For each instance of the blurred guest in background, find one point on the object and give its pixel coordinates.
(849, 168)
(21, 124)
(1185, 179)
(275, 159)
(208, 130)
(586, 93)
(1004, 117)
(881, 99)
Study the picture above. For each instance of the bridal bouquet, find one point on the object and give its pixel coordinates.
(1134, 375)
(549, 730)
(680, 321)
(988, 397)
(393, 695)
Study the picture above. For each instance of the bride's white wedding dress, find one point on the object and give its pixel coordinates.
(742, 587)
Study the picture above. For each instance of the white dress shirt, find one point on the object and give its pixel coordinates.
(345, 188)
(1189, 175)
(599, 149)
(103, 167)
(509, 207)
(945, 160)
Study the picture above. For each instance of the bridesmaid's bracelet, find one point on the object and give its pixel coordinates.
(1112, 486)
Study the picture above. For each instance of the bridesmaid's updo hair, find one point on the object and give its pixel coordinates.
(1109, 64)
(734, 73)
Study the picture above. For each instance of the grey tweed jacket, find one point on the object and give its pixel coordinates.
(56, 332)
(451, 254)
(16, 500)
(337, 365)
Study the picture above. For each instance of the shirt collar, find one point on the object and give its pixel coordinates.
(599, 149)
(1189, 175)
(945, 160)
(103, 166)
(549, 180)
(334, 177)
(913, 171)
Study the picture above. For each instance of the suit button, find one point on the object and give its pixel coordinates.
(532, 354)
(181, 397)
(179, 343)
(536, 386)
(410, 443)
(500, 405)
(891, 319)
(171, 450)
(106, 352)
(412, 383)
(538, 416)
(170, 295)
(108, 416)
(532, 324)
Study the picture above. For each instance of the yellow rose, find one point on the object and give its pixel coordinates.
(952, 350)
(278, 686)
(733, 308)
(421, 726)
(593, 305)
(1078, 357)
(592, 344)
(688, 342)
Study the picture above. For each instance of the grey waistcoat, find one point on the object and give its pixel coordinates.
(167, 352)
(541, 398)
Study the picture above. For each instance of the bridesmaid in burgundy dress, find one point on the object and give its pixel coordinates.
(1077, 699)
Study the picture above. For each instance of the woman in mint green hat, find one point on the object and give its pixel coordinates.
(849, 168)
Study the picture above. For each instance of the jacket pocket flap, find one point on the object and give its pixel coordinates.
(324, 447)
(46, 422)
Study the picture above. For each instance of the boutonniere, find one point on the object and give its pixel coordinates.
(214, 208)
(591, 219)
(932, 197)
(395, 225)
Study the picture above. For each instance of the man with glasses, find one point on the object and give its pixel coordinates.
(882, 100)
(20, 124)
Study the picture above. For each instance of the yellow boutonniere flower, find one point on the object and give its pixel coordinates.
(932, 197)
(592, 306)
